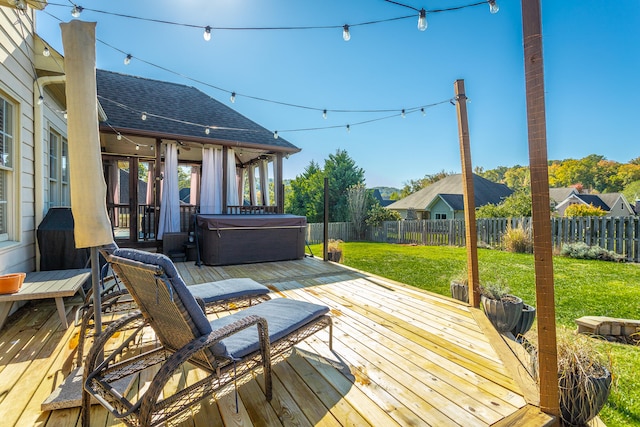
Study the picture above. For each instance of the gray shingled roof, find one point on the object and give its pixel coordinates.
(485, 192)
(455, 201)
(595, 200)
(180, 102)
(558, 195)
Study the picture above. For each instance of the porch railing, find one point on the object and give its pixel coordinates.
(252, 210)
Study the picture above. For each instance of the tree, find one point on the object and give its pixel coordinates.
(516, 205)
(343, 174)
(378, 214)
(583, 210)
(632, 191)
(306, 197)
(358, 207)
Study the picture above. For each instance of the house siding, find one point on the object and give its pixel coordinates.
(16, 84)
(441, 208)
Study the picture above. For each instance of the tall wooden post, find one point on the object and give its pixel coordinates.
(471, 235)
(542, 246)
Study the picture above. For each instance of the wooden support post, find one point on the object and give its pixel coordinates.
(471, 235)
(325, 246)
(542, 248)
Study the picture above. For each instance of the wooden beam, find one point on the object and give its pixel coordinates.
(542, 246)
(471, 235)
(325, 246)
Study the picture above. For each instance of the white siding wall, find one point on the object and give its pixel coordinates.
(16, 83)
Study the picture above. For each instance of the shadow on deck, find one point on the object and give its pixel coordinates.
(401, 357)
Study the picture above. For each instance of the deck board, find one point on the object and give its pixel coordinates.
(401, 357)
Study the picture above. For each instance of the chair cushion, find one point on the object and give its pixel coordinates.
(283, 316)
(227, 289)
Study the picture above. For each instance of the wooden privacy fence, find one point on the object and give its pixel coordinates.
(619, 234)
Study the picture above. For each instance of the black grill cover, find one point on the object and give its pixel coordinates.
(56, 241)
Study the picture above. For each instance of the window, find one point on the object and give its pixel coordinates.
(441, 216)
(6, 166)
(58, 170)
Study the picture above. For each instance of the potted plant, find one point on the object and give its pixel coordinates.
(11, 283)
(584, 379)
(334, 250)
(526, 321)
(460, 286)
(502, 309)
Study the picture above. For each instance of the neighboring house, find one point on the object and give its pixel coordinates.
(614, 204)
(444, 199)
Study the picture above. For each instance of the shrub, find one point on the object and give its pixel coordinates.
(581, 250)
(494, 290)
(517, 239)
(583, 210)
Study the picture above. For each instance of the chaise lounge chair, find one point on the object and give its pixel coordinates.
(215, 296)
(227, 348)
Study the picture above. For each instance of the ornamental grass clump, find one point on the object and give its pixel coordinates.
(581, 250)
(517, 239)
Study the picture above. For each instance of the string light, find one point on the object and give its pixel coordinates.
(324, 114)
(275, 134)
(348, 128)
(65, 115)
(137, 147)
(493, 6)
(424, 113)
(76, 11)
(422, 20)
(207, 33)
(232, 98)
(402, 113)
(144, 116)
(46, 52)
(40, 100)
(127, 59)
(119, 136)
(207, 131)
(346, 35)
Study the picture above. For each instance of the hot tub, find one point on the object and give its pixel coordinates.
(242, 239)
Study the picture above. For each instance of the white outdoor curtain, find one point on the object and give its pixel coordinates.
(211, 190)
(113, 189)
(170, 202)
(194, 192)
(276, 180)
(264, 182)
(240, 181)
(252, 185)
(150, 186)
(88, 189)
(232, 179)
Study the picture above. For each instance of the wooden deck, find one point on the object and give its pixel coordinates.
(401, 357)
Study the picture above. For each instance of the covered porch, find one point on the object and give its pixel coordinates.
(401, 356)
(170, 151)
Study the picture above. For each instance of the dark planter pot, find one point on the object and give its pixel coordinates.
(334, 256)
(525, 322)
(459, 291)
(578, 405)
(504, 314)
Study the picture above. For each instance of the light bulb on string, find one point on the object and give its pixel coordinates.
(65, 115)
(422, 20)
(348, 128)
(493, 6)
(403, 115)
(40, 100)
(207, 33)
(151, 147)
(232, 98)
(76, 11)
(324, 114)
(275, 134)
(207, 131)
(119, 136)
(137, 147)
(46, 52)
(127, 59)
(346, 35)
(424, 113)
(144, 116)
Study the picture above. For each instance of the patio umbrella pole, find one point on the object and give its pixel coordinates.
(95, 283)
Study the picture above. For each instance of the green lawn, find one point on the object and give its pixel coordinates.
(583, 288)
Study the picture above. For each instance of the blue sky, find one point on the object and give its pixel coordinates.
(591, 58)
